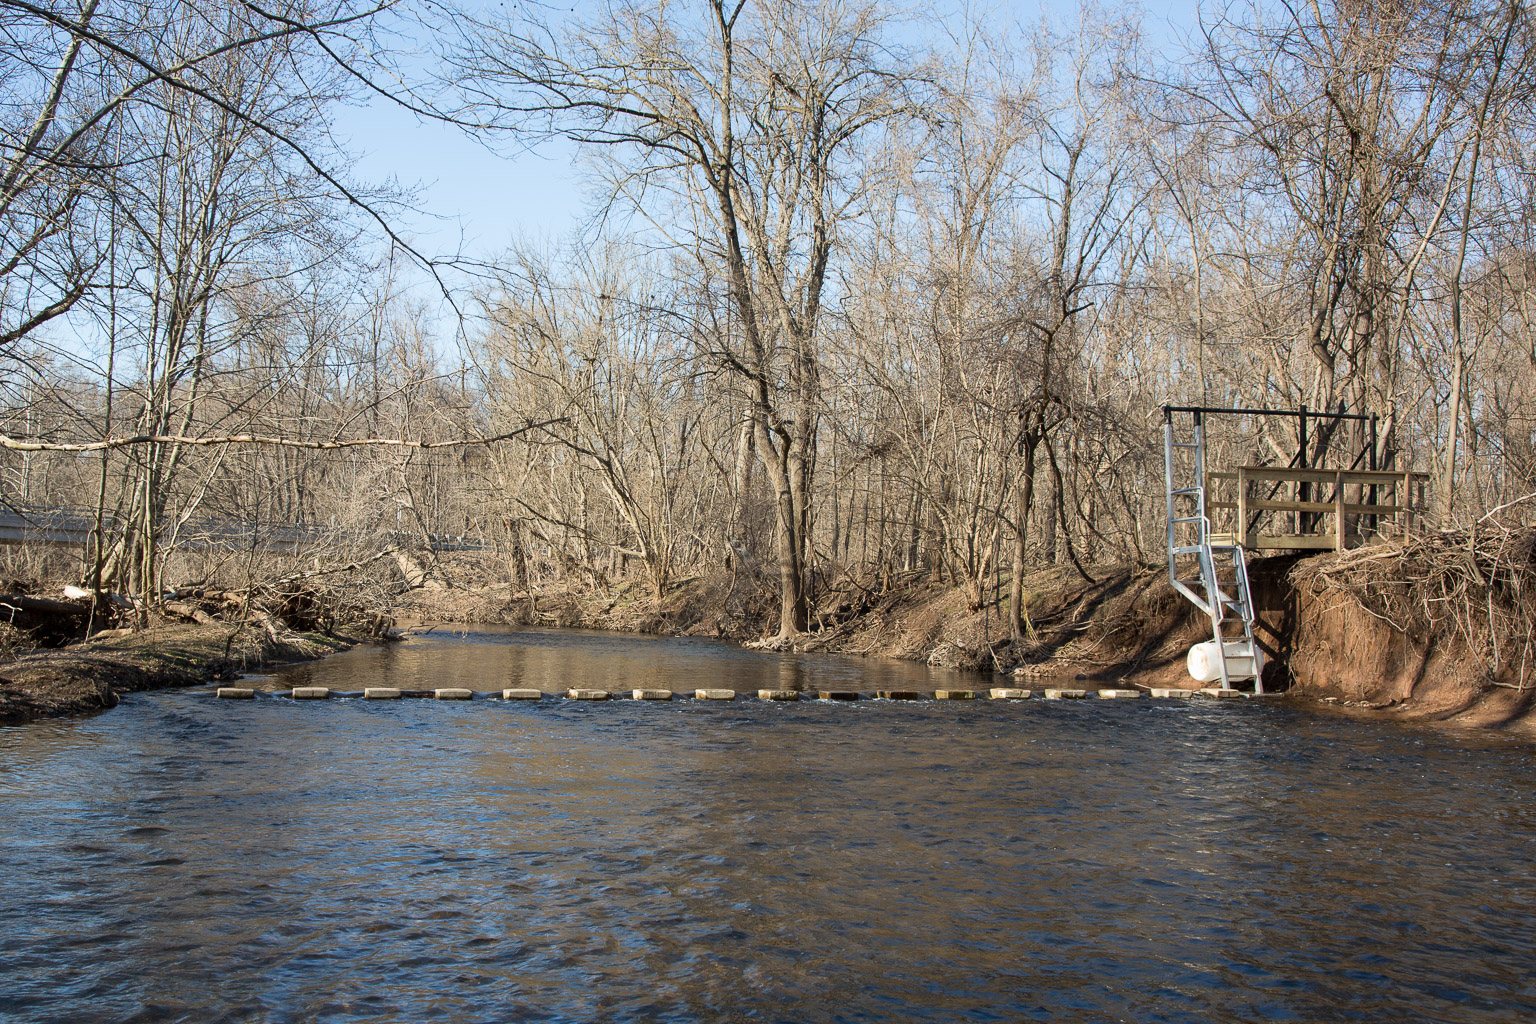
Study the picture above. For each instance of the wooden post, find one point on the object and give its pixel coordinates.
(1375, 520)
(1338, 511)
(1241, 532)
(1303, 489)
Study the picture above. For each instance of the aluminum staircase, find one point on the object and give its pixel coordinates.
(1217, 583)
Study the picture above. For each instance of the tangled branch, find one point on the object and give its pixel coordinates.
(1475, 585)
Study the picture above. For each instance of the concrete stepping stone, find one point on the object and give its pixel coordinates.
(652, 694)
(900, 694)
(954, 694)
(381, 693)
(714, 694)
(1009, 693)
(1065, 694)
(837, 694)
(453, 693)
(1175, 692)
(1218, 691)
(310, 692)
(778, 694)
(521, 694)
(236, 693)
(1119, 694)
(587, 694)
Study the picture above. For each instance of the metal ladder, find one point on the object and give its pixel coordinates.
(1238, 656)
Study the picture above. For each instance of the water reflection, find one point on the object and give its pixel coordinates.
(183, 858)
(493, 658)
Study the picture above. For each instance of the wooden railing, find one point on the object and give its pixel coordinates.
(1404, 492)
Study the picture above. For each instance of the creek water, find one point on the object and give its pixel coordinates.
(186, 858)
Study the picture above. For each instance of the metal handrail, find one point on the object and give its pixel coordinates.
(75, 524)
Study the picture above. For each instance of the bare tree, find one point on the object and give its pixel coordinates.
(598, 350)
(748, 119)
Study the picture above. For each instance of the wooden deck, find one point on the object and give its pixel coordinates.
(1373, 502)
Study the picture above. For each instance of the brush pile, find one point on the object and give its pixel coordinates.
(278, 608)
(293, 604)
(1472, 590)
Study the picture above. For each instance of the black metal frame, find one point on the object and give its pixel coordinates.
(1299, 460)
(1302, 414)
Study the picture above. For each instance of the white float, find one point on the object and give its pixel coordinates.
(1244, 661)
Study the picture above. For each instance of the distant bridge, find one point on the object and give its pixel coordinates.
(23, 524)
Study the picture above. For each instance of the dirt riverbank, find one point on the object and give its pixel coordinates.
(90, 676)
(1437, 630)
(1117, 622)
(1443, 629)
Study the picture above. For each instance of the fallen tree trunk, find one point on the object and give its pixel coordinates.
(50, 622)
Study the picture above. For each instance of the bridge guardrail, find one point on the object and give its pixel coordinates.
(23, 524)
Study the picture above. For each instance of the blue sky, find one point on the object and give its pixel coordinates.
(487, 200)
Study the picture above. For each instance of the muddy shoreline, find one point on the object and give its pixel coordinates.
(1397, 632)
(1434, 631)
(90, 676)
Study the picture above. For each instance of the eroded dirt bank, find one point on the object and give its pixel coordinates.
(1441, 630)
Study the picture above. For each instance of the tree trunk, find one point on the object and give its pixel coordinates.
(789, 515)
(1024, 497)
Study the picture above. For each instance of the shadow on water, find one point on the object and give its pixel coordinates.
(190, 859)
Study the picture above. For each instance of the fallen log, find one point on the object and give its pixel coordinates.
(50, 621)
(189, 611)
(42, 605)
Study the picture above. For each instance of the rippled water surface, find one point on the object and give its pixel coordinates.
(184, 858)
